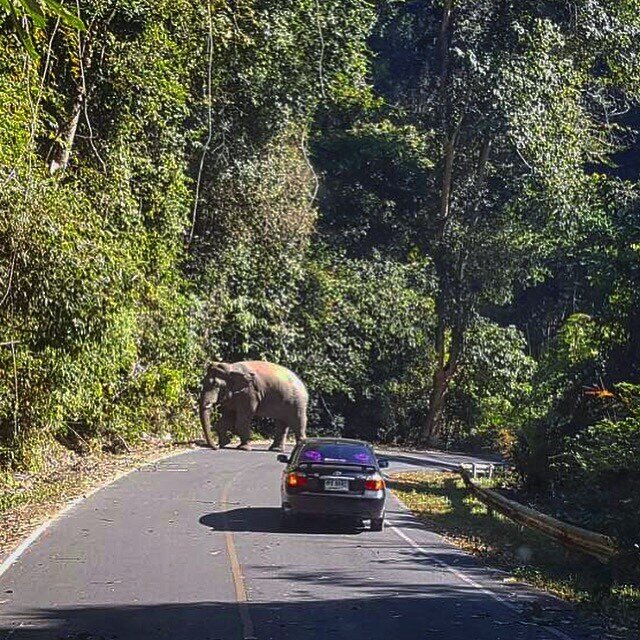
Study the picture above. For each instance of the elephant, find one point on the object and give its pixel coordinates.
(246, 389)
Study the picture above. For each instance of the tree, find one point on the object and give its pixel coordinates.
(36, 13)
(516, 99)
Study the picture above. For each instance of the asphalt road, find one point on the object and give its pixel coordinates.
(192, 548)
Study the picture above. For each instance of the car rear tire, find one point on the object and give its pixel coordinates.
(289, 519)
(377, 524)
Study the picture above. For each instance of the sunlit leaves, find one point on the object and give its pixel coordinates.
(25, 15)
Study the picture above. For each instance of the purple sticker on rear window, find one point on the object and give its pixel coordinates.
(314, 456)
(364, 457)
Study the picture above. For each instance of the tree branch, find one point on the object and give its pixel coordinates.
(9, 279)
(194, 215)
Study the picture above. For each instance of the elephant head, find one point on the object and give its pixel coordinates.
(218, 386)
(212, 391)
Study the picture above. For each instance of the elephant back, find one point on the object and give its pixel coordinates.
(274, 379)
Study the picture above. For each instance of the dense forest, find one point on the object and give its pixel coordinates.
(428, 209)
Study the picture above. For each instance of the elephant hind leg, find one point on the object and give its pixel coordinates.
(300, 427)
(280, 436)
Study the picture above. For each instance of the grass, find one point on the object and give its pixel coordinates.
(443, 503)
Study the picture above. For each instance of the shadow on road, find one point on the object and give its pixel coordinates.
(200, 443)
(269, 520)
(441, 613)
(431, 463)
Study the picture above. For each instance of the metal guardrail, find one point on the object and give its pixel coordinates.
(597, 545)
(483, 468)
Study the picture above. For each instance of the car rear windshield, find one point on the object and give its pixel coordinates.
(337, 453)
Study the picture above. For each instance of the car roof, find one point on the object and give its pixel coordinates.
(335, 441)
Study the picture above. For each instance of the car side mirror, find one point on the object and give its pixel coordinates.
(283, 457)
(383, 463)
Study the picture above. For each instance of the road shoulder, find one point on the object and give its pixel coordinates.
(439, 501)
(28, 502)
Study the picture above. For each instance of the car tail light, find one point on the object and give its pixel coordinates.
(296, 479)
(374, 483)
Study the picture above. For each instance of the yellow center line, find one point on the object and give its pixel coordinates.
(248, 632)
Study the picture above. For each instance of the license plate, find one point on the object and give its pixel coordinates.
(336, 484)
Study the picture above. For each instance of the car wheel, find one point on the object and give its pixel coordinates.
(377, 524)
(289, 519)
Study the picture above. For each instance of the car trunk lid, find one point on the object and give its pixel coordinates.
(335, 479)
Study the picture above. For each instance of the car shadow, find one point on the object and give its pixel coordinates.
(269, 520)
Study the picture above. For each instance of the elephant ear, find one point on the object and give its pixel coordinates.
(218, 370)
(239, 380)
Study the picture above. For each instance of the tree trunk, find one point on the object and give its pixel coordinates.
(453, 303)
(63, 145)
(446, 355)
(432, 427)
(444, 38)
(67, 133)
(446, 366)
(447, 181)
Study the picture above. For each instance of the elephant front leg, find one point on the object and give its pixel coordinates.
(243, 429)
(222, 428)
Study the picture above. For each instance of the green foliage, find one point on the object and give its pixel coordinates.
(364, 335)
(117, 286)
(38, 12)
(608, 447)
(493, 385)
(410, 213)
(530, 228)
(375, 185)
(605, 457)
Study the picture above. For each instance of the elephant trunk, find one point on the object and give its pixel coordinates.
(205, 404)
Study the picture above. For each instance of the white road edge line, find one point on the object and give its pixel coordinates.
(18, 551)
(456, 572)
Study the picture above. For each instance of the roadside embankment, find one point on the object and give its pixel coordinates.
(441, 500)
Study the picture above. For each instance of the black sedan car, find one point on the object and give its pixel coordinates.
(334, 477)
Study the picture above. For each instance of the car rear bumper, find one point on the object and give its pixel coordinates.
(334, 505)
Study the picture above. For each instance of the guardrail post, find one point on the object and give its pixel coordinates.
(474, 472)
